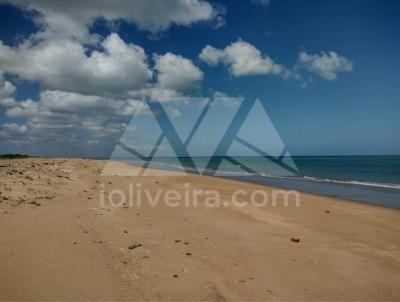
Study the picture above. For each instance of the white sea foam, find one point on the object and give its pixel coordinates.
(170, 166)
(355, 182)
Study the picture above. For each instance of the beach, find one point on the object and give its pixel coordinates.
(61, 239)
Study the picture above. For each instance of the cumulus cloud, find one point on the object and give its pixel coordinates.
(177, 73)
(59, 60)
(53, 103)
(61, 115)
(153, 92)
(211, 55)
(7, 89)
(116, 68)
(84, 123)
(91, 85)
(73, 17)
(13, 128)
(325, 65)
(88, 96)
(224, 98)
(242, 59)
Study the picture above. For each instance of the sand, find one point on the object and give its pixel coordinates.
(58, 243)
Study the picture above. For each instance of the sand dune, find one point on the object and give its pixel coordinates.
(59, 243)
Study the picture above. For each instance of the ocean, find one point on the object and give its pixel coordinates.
(371, 179)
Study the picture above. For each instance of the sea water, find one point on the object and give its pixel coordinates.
(371, 179)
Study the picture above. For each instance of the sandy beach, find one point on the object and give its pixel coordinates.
(59, 243)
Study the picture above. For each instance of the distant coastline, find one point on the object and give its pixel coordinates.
(13, 156)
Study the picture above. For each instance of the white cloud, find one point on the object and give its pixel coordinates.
(155, 93)
(174, 112)
(7, 89)
(116, 69)
(65, 65)
(65, 122)
(242, 59)
(68, 119)
(59, 60)
(92, 94)
(325, 65)
(74, 17)
(211, 55)
(13, 128)
(177, 73)
(227, 100)
(55, 104)
(7, 102)
(91, 85)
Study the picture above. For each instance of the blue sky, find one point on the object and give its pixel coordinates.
(327, 71)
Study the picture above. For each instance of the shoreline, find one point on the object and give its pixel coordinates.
(367, 194)
(58, 243)
(362, 200)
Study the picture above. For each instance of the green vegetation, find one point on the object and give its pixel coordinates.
(13, 156)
